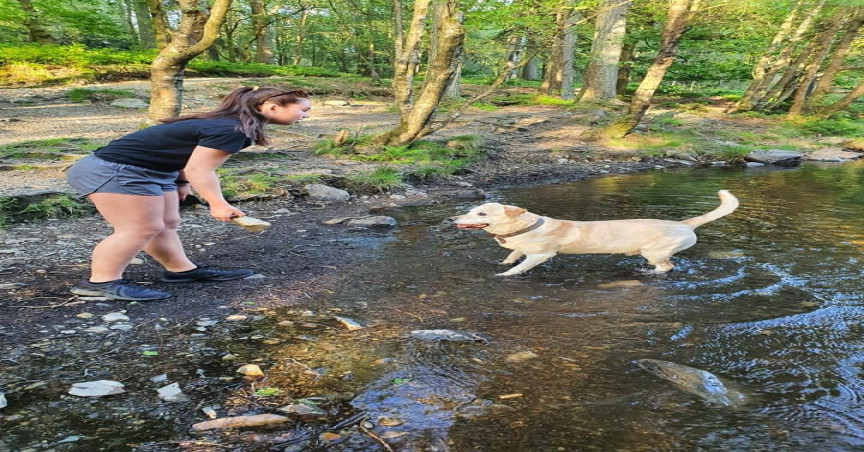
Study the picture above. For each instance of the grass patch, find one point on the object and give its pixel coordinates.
(21, 209)
(378, 180)
(259, 183)
(49, 149)
(807, 127)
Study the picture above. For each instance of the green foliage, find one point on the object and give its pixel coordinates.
(484, 106)
(224, 69)
(267, 392)
(820, 127)
(75, 55)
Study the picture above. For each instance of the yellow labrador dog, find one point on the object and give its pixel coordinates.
(540, 238)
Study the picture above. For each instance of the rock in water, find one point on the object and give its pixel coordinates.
(3, 402)
(700, 383)
(447, 335)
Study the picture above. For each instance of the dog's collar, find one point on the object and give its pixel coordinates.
(500, 237)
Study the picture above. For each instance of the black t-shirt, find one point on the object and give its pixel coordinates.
(167, 147)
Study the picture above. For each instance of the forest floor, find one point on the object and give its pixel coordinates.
(51, 339)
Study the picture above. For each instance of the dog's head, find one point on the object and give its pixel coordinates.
(487, 215)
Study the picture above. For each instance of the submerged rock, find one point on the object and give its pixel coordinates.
(350, 324)
(700, 383)
(250, 370)
(240, 421)
(447, 335)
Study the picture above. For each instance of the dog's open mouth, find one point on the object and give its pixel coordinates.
(472, 226)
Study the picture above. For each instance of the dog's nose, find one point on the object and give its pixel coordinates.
(450, 219)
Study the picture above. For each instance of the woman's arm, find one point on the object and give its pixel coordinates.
(201, 172)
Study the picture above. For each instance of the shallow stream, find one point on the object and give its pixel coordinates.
(771, 300)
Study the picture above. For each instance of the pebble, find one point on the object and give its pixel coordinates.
(250, 370)
(114, 317)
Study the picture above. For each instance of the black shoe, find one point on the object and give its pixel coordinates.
(120, 289)
(203, 273)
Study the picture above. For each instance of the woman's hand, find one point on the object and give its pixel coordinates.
(183, 190)
(225, 212)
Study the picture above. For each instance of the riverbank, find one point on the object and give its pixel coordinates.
(52, 339)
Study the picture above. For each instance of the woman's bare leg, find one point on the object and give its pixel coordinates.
(136, 220)
(166, 247)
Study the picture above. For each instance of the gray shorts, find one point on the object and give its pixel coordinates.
(94, 175)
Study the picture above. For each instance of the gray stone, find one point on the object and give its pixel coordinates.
(778, 157)
(172, 393)
(320, 192)
(833, 155)
(378, 221)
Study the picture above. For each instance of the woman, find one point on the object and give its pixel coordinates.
(137, 181)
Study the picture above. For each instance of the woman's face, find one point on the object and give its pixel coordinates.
(286, 114)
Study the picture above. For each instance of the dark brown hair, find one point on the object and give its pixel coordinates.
(242, 104)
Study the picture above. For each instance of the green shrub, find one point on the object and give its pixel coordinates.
(379, 179)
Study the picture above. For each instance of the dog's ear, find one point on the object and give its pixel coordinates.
(512, 211)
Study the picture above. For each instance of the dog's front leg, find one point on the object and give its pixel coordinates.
(513, 257)
(531, 261)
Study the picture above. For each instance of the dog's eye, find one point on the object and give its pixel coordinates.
(481, 214)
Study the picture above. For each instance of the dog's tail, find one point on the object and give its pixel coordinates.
(728, 204)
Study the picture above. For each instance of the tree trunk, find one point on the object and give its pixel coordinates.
(842, 103)
(777, 56)
(453, 89)
(195, 33)
(680, 14)
(35, 31)
(784, 87)
(816, 58)
(407, 54)
(262, 33)
(601, 75)
(835, 62)
(126, 7)
(146, 36)
(531, 70)
(553, 76)
(625, 67)
(414, 118)
(567, 49)
(300, 39)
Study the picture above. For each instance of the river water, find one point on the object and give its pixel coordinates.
(770, 300)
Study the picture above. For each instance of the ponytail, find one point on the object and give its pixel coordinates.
(242, 104)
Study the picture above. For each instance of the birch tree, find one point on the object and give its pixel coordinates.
(416, 115)
(195, 33)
